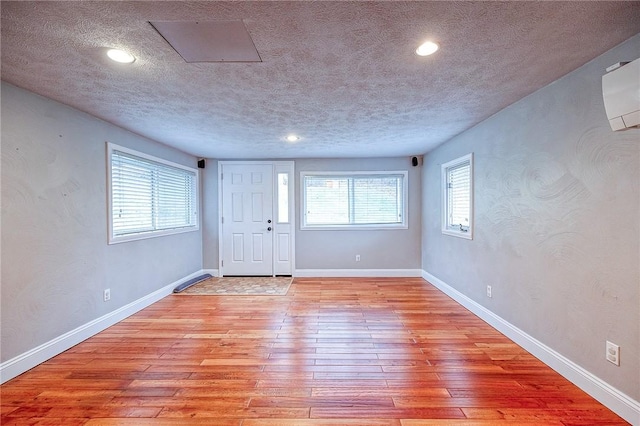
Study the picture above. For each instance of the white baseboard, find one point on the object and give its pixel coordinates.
(26, 361)
(365, 273)
(213, 272)
(617, 401)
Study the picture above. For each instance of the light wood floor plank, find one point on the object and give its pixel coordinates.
(353, 352)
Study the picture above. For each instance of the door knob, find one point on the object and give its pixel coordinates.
(269, 221)
(269, 229)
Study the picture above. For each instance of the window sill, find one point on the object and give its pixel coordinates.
(353, 227)
(151, 234)
(468, 235)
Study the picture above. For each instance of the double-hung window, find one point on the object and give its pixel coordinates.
(354, 200)
(457, 197)
(149, 196)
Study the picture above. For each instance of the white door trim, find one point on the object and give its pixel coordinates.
(278, 167)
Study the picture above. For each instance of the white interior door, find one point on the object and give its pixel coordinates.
(247, 219)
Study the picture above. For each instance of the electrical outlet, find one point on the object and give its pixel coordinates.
(106, 295)
(357, 258)
(489, 291)
(613, 353)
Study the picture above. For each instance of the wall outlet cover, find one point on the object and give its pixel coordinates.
(613, 353)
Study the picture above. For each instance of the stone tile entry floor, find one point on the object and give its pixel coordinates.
(241, 286)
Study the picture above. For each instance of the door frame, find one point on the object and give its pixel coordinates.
(278, 167)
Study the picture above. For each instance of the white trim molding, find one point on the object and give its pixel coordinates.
(364, 273)
(213, 272)
(617, 401)
(26, 361)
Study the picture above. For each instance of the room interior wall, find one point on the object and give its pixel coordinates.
(556, 234)
(55, 258)
(210, 231)
(387, 249)
(325, 250)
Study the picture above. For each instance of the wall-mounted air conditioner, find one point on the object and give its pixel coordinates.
(621, 93)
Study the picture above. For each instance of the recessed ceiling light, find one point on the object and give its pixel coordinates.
(120, 56)
(427, 48)
(292, 138)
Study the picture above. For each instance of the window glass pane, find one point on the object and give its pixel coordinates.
(133, 201)
(377, 200)
(459, 195)
(359, 199)
(327, 200)
(149, 196)
(457, 191)
(283, 197)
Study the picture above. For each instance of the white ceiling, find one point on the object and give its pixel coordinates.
(342, 75)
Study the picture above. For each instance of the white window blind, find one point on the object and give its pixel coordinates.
(457, 178)
(150, 198)
(459, 187)
(368, 199)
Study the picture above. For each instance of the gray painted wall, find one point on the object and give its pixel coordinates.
(209, 179)
(557, 203)
(55, 257)
(379, 249)
(383, 249)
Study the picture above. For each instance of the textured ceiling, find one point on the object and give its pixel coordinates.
(342, 75)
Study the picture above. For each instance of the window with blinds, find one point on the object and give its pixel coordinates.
(357, 200)
(149, 196)
(457, 190)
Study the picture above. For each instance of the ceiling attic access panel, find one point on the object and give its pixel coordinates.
(209, 41)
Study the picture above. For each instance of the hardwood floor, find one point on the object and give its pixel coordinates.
(331, 352)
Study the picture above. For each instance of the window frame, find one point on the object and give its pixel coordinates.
(340, 174)
(456, 230)
(115, 239)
